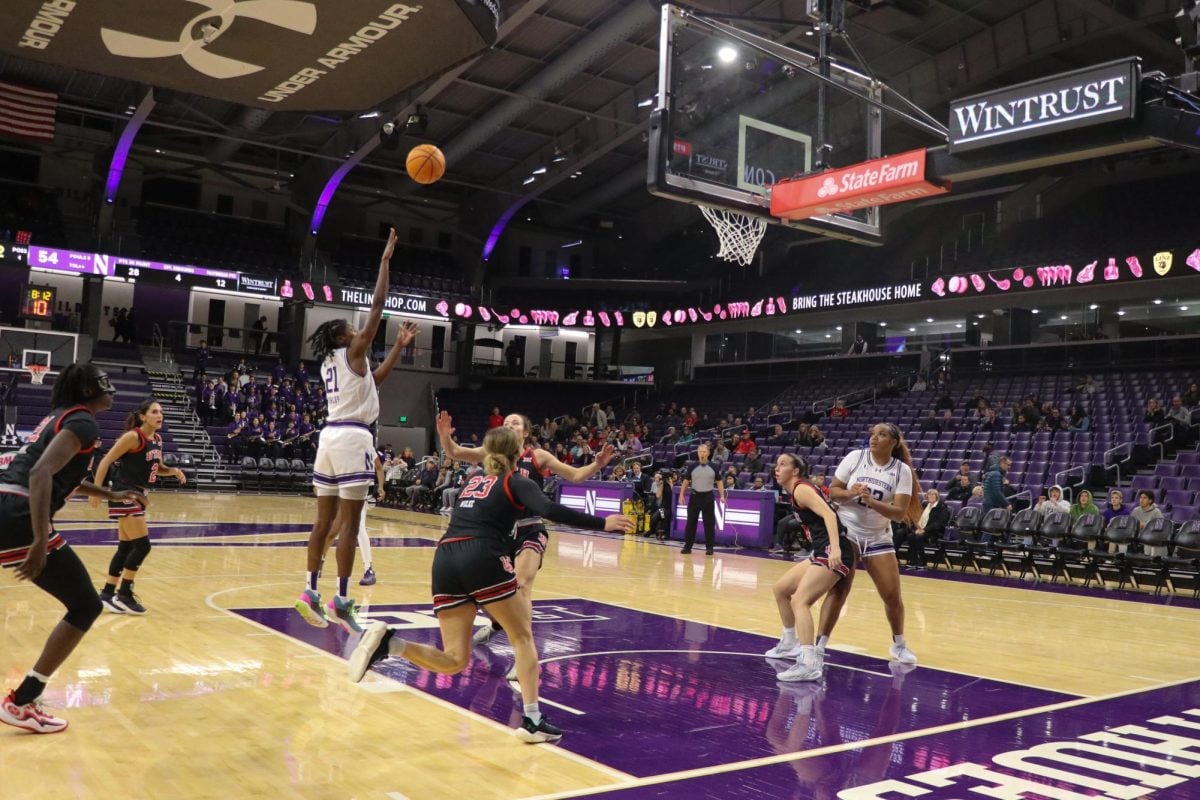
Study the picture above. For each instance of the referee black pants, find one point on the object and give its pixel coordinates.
(700, 503)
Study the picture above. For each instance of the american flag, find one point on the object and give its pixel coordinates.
(25, 112)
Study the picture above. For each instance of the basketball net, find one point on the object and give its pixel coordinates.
(739, 234)
(37, 373)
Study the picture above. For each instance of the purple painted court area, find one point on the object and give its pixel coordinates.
(166, 534)
(1121, 747)
(656, 694)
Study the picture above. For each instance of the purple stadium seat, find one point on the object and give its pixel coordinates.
(1173, 484)
(1178, 498)
(1166, 470)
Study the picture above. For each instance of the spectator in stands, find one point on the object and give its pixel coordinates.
(930, 527)
(1116, 506)
(1191, 397)
(960, 488)
(753, 462)
(964, 471)
(117, 323)
(618, 474)
(1154, 413)
(278, 372)
(919, 385)
(990, 422)
(302, 375)
(1083, 505)
(1053, 503)
(1180, 418)
(745, 444)
(1146, 510)
(235, 443)
(993, 485)
(663, 494)
(259, 337)
(1080, 420)
(640, 480)
(581, 453)
(495, 419)
(687, 437)
(858, 348)
(633, 442)
(253, 433)
(271, 440)
(731, 482)
(821, 483)
(930, 423)
(305, 446)
(778, 437)
(1086, 386)
(816, 438)
(201, 362)
(944, 403)
(1022, 425)
(421, 491)
(759, 485)
(839, 410)
(977, 493)
(803, 437)
(720, 453)
(597, 418)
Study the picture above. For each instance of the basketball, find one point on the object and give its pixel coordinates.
(426, 164)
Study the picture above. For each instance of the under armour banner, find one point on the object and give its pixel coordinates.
(281, 54)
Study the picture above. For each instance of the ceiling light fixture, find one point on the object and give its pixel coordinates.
(1093, 307)
(1157, 302)
(539, 170)
(528, 180)
(727, 54)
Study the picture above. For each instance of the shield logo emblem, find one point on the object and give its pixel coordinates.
(639, 318)
(1163, 262)
(651, 318)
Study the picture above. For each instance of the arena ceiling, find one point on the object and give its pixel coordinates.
(562, 87)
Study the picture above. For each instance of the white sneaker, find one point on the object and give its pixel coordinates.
(901, 653)
(370, 649)
(482, 635)
(801, 671)
(783, 651)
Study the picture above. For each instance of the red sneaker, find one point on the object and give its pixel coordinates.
(31, 716)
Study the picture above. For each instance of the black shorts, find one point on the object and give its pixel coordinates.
(476, 570)
(820, 553)
(531, 534)
(119, 509)
(16, 531)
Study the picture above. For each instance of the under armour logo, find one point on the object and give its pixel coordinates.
(828, 188)
(208, 26)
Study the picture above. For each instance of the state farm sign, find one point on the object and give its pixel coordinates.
(872, 183)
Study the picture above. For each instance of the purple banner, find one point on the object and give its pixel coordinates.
(600, 498)
(746, 519)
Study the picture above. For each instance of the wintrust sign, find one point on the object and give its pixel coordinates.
(1091, 96)
(872, 183)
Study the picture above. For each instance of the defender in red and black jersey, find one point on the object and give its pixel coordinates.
(51, 465)
(138, 458)
(809, 581)
(473, 567)
(530, 533)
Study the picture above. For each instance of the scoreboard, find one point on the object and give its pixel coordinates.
(80, 263)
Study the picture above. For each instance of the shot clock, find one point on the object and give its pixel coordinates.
(37, 302)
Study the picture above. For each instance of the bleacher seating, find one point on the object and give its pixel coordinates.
(188, 237)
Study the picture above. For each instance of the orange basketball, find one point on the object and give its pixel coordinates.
(425, 164)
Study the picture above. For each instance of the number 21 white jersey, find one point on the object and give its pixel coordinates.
(351, 396)
(885, 482)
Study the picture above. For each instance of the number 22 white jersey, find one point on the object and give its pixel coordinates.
(885, 482)
(351, 396)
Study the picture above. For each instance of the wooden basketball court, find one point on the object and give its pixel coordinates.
(650, 659)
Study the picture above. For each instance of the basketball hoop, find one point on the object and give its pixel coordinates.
(37, 373)
(739, 234)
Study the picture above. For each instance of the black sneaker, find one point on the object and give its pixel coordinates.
(541, 732)
(685, 551)
(109, 601)
(708, 552)
(128, 603)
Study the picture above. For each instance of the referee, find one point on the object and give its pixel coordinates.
(702, 479)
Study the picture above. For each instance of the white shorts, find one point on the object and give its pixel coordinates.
(870, 543)
(345, 464)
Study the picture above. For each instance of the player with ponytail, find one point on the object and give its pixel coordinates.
(874, 487)
(138, 457)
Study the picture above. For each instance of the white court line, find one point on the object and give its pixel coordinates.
(887, 675)
(446, 704)
(838, 748)
(565, 708)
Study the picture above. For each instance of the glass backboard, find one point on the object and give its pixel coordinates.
(737, 113)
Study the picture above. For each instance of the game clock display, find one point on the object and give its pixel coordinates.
(37, 302)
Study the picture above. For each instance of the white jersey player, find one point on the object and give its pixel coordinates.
(345, 463)
(873, 488)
